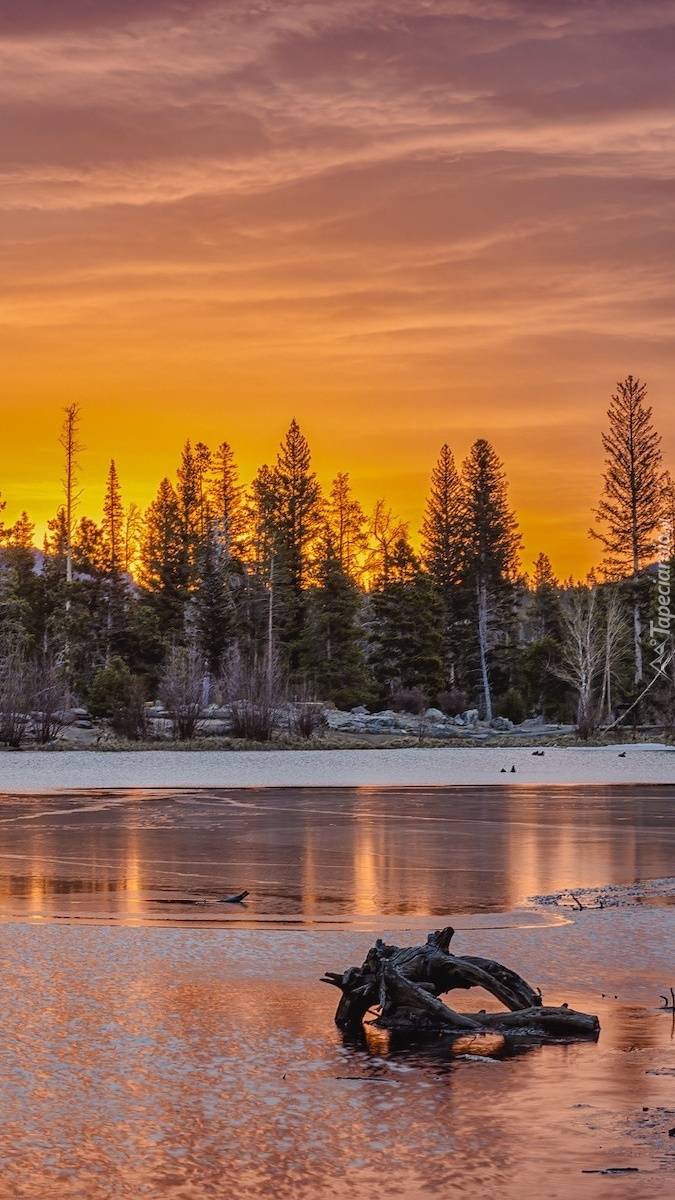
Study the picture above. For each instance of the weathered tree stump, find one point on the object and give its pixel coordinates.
(403, 985)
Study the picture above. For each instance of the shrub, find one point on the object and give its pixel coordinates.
(111, 689)
(411, 700)
(453, 703)
(131, 719)
(306, 719)
(180, 690)
(120, 696)
(254, 691)
(253, 720)
(14, 701)
(512, 705)
(48, 698)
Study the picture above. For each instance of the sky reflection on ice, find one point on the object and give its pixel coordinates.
(191, 1062)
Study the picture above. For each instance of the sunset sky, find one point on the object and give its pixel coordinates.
(403, 222)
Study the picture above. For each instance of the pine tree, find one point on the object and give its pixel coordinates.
(407, 626)
(21, 533)
(162, 563)
(226, 502)
(213, 613)
(668, 506)
(443, 545)
(202, 463)
(112, 526)
(21, 599)
(296, 521)
(546, 611)
(492, 544)
(442, 532)
(631, 502)
(257, 616)
(297, 506)
(88, 551)
(113, 537)
(190, 511)
(333, 655)
(55, 544)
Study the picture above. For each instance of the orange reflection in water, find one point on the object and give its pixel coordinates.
(202, 1063)
(335, 854)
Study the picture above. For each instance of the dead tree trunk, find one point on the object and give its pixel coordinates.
(404, 986)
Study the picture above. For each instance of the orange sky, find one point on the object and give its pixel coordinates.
(402, 223)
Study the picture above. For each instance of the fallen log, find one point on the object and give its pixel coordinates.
(402, 986)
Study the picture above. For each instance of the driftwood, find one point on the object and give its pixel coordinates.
(404, 986)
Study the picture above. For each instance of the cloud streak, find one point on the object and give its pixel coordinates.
(445, 207)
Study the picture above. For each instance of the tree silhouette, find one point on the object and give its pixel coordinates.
(492, 544)
(632, 498)
(347, 524)
(162, 562)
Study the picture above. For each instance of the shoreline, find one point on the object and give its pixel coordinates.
(28, 772)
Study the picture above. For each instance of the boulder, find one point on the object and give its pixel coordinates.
(501, 723)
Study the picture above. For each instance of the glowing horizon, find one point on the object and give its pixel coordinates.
(402, 224)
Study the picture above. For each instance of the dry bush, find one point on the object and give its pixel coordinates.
(253, 691)
(181, 690)
(306, 718)
(14, 702)
(48, 692)
(453, 702)
(410, 700)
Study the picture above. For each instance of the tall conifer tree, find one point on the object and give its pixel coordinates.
(162, 564)
(443, 544)
(492, 544)
(632, 499)
(226, 501)
(407, 625)
(296, 521)
(112, 528)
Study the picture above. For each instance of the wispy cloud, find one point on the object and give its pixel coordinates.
(397, 194)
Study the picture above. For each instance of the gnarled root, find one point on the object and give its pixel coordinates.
(404, 985)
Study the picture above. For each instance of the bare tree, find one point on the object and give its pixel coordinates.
(632, 500)
(181, 690)
(583, 652)
(347, 524)
(385, 531)
(133, 528)
(615, 639)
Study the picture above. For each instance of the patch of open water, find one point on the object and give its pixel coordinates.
(154, 1049)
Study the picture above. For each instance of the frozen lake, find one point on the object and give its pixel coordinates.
(157, 1043)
